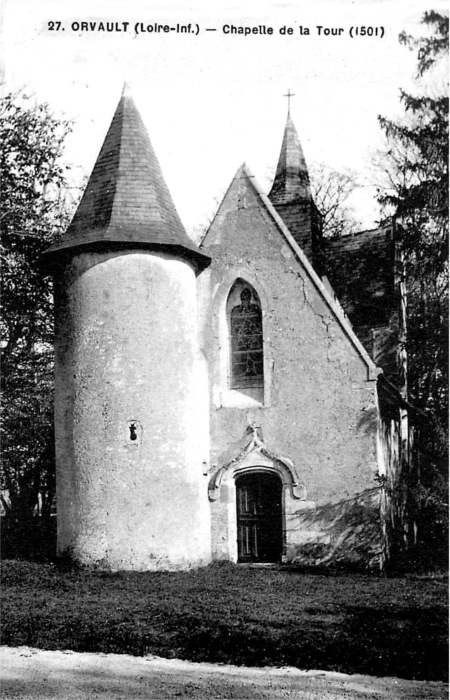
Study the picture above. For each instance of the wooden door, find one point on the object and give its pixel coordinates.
(259, 517)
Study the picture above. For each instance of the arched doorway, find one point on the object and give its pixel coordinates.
(259, 517)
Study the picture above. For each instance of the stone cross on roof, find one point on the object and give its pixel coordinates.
(289, 95)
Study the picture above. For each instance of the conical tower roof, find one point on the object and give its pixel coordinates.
(126, 201)
(291, 181)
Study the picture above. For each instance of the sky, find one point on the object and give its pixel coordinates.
(210, 99)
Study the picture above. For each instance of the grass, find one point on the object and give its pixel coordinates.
(234, 614)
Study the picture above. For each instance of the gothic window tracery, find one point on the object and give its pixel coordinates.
(246, 336)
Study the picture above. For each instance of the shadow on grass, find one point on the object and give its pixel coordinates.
(351, 624)
(411, 645)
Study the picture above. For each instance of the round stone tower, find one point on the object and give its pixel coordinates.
(131, 397)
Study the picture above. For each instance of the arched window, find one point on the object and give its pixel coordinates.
(246, 338)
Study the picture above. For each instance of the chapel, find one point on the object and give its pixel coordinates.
(240, 400)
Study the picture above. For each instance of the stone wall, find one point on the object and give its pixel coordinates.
(319, 409)
(131, 413)
(344, 534)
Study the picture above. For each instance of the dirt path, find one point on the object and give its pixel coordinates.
(32, 674)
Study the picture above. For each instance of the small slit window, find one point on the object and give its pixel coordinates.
(246, 338)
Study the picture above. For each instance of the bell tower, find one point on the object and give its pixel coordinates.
(291, 194)
(131, 397)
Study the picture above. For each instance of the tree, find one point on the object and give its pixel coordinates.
(416, 193)
(33, 182)
(331, 190)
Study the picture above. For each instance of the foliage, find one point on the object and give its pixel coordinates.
(33, 181)
(430, 48)
(416, 192)
(234, 614)
(331, 190)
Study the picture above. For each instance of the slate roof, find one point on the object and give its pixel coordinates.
(291, 195)
(126, 201)
(291, 181)
(361, 269)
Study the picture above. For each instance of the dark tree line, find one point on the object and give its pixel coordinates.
(416, 165)
(34, 212)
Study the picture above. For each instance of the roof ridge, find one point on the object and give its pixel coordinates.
(120, 143)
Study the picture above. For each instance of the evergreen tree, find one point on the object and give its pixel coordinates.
(416, 163)
(418, 167)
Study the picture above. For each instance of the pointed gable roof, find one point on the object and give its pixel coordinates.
(126, 200)
(243, 189)
(291, 181)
